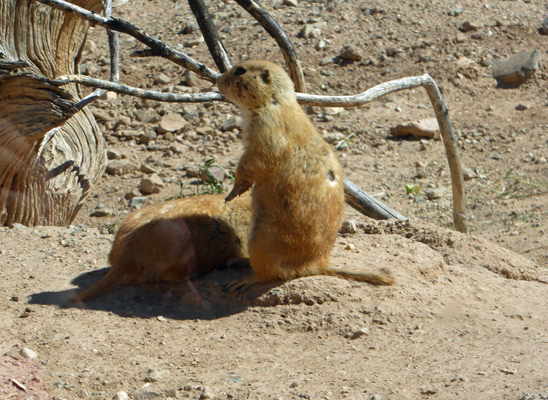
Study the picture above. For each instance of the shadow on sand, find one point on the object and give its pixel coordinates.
(202, 297)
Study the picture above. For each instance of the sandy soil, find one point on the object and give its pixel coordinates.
(467, 318)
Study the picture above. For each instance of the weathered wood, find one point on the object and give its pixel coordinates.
(368, 205)
(49, 152)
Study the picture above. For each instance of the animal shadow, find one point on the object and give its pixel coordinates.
(202, 297)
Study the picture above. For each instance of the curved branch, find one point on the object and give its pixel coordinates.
(121, 25)
(281, 38)
(368, 205)
(137, 92)
(442, 115)
(209, 32)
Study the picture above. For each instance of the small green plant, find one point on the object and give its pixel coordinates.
(516, 186)
(411, 188)
(211, 185)
(111, 228)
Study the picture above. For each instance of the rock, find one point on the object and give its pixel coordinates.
(99, 114)
(544, 26)
(137, 201)
(455, 11)
(327, 60)
(28, 353)
(147, 169)
(147, 115)
(232, 122)
(359, 333)
(514, 71)
(101, 211)
(350, 53)
(333, 137)
(131, 195)
(310, 31)
(189, 28)
(290, 3)
(178, 148)
(114, 155)
(120, 167)
(349, 227)
(216, 172)
(468, 26)
(121, 396)
(523, 107)
(162, 79)
(433, 194)
(468, 174)
(151, 184)
(109, 96)
(171, 122)
(422, 128)
(144, 395)
(190, 78)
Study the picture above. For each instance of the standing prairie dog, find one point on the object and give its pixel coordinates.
(298, 192)
(174, 241)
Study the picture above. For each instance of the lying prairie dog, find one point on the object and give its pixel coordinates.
(174, 241)
(298, 192)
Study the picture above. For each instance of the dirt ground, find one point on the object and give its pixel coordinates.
(467, 318)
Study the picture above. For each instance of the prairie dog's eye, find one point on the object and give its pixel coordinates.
(240, 71)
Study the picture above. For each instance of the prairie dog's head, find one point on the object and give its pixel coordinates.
(254, 84)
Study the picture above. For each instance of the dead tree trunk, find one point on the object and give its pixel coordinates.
(50, 152)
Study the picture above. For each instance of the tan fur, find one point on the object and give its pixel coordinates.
(174, 241)
(298, 192)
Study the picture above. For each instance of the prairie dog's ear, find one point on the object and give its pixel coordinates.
(266, 77)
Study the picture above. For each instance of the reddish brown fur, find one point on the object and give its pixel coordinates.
(298, 192)
(174, 241)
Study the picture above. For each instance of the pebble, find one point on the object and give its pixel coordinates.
(432, 194)
(121, 396)
(144, 395)
(28, 353)
(147, 115)
(101, 211)
(151, 184)
(137, 201)
(350, 53)
(544, 27)
(114, 155)
(171, 122)
(109, 96)
(162, 79)
(468, 174)
(523, 107)
(455, 11)
(468, 26)
(147, 169)
(232, 122)
(190, 78)
(290, 3)
(120, 167)
(359, 333)
(333, 137)
(349, 227)
(513, 71)
(426, 128)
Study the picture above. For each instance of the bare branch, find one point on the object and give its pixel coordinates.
(136, 92)
(442, 116)
(209, 32)
(276, 31)
(121, 25)
(368, 205)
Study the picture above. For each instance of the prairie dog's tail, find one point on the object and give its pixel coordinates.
(111, 279)
(373, 277)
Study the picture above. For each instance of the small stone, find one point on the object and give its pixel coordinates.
(162, 79)
(137, 201)
(432, 194)
(147, 169)
(189, 28)
(190, 78)
(350, 246)
(114, 155)
(131, 195)
(99, 114)
(376, 397)
(120, 167)
(147, 115)
(290, 3)
(28, 353)
(523, 107)
(428, 128)
(333, 137)
(232, 122)
(514, 71)
(455, 11)
(101, 211)
(151, 184)
(206, 394)
(109, 96)
(468, 26)
(327, 61)
(178, 148)
(144, 395)
(468, 174)
(349, 227)
(194, 42)
(350, 53)
(216, 172)
(121, 396)
(544, 27)
(359, 333)
(310, 31)
(171, 122)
